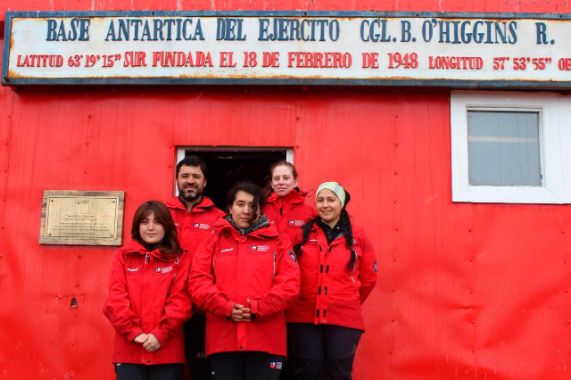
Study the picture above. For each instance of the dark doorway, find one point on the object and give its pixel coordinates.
(228, 166)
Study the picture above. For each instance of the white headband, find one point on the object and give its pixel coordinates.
(336, 188)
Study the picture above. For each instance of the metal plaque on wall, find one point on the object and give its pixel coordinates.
(82, 217)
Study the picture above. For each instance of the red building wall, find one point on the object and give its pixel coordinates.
(466, 291)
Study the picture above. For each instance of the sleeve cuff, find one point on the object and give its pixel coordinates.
(228, 309)
(160, 336)
(254, 306)
(135, 333)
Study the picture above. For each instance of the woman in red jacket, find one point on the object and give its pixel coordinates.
(338, 272)
(285, 206)
(244, 277)
(148, 299)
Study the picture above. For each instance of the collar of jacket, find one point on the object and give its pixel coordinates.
(318, 230)
(260, 229)
(204, 205)
(331, 233)
(293, 197)
(135, 247)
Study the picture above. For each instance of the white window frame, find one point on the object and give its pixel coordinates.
(554, 139)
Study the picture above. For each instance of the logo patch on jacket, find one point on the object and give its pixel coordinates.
(260, 248)
(164, 269)
(132, 269)
(276, 365)
(226, 250)
(201, 226)
(296, 223)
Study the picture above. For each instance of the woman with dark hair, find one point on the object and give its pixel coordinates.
(244, 277)
(285, 206)
(338, 272)
(148, 299)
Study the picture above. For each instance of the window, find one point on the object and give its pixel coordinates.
(511, 147)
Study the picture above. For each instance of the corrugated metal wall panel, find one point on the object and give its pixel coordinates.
(466, 291)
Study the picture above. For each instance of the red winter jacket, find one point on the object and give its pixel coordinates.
(194, 226)
(289, 213)
(148, 295)
(331, 293)
(257, 269)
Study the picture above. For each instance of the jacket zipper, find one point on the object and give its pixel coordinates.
(147, 260)
(275, 265)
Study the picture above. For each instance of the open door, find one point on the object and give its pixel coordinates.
(226, 166)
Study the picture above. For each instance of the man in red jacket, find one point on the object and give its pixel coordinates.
(194, 216)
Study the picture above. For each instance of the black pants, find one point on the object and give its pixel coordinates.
(321, 352)
(246, 366)
(194, 338)
(125, 371)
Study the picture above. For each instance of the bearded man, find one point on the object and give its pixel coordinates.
(194, 215)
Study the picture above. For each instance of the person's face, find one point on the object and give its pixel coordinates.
(190, 182)
(282, 180)
(151, 231)
(328, 207)
(242, 209)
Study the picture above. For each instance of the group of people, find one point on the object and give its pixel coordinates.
(241, 290)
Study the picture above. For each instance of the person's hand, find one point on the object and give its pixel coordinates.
(152, 343)
(240, 313)
(237, 313)
(141, 338)
(246, 314)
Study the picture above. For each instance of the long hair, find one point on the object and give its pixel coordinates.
(346, 228)
(169, 246)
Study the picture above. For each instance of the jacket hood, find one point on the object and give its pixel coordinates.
(205, 204)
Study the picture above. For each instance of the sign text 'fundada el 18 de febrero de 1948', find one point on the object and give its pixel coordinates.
(455, 50)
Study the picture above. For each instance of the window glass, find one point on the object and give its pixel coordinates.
(510, 147)
(504, 148)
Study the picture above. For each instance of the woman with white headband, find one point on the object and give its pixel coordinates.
(338, 272)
